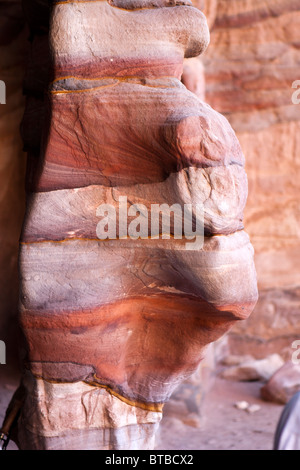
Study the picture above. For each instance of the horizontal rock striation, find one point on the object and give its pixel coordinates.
(114, 325)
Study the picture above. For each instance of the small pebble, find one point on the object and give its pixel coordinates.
(242, 405)
(253, 408)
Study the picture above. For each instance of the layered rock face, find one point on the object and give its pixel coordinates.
(113, 324)
(250, 67)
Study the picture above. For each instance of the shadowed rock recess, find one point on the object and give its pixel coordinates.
(13, 48)
(112, 327)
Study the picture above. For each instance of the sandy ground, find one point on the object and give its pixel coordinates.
(221, 425)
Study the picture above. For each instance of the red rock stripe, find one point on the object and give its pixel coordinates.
(101, 137)
(114, 66)
(270, 10)
(107, 340)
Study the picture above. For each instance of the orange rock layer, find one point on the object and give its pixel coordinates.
(130, 317)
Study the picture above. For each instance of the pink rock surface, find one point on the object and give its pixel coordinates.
(283, 385)
(113, 326)
(251, 64)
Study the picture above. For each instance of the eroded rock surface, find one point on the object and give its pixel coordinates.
(283, 385)
(112, 326)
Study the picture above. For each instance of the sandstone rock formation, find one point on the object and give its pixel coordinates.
(283, 385)
(112, 326)
(251, 369)
(250, 66)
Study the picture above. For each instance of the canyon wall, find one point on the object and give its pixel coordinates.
(250, 66)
